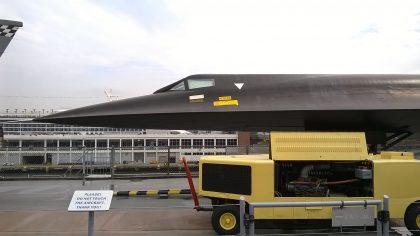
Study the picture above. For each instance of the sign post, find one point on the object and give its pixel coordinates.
(91, 201)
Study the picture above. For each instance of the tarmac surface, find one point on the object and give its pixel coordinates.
(40, 208)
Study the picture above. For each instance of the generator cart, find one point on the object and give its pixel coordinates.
(309, 166)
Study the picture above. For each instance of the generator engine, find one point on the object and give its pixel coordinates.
(311, 179)
(308, 190)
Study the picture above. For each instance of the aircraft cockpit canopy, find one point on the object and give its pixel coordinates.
(200, 83)
(178, 87)
(188, 84)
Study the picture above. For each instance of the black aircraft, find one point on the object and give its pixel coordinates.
(379, 105)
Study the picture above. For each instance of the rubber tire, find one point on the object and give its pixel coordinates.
(410, 218)
(218, 212)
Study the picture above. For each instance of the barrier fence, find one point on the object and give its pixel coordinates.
(78, 162)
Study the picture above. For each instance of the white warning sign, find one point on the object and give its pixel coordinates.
(95, 200)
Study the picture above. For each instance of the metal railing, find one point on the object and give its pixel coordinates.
(382, 208)
(78, 162)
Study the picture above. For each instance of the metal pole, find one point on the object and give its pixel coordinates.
(241, 216)
(312, 204)
(251, 222)
(91, 163)
(7, 154)
(385, 225)
(112, 161)
(169, 156)
(83, 166)
(378, 223)
(91, 222)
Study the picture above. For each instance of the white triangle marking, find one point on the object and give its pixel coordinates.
(239, 85)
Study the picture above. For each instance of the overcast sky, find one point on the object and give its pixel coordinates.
(68, 52)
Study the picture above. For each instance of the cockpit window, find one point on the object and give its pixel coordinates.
(178, 87)
(200, 83)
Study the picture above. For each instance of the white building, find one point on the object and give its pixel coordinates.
(40, 143)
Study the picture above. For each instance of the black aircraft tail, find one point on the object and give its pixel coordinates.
(8, 30)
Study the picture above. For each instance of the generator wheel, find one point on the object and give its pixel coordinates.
(225, 220)
(412, 219)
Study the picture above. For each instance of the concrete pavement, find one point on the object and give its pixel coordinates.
(40, 208)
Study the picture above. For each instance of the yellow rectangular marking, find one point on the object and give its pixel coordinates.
(225, 98)
(174, 191)
(132, 193)
(152, 192)
(226, 103)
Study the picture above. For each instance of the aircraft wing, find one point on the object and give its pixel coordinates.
(8, 30)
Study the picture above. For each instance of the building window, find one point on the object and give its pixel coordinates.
(232, 142)
(126, 143)
(186, 143)
(64, 143)
(12, 143)
(138, 142)
(174, 142)
(151, 142)
(52, 143)
(101, 143)
(37, 144)
(220, 142)
(76, 143)
(114, 143)
(197, 143)
(90, 143)
(162, 142)
(209, 142)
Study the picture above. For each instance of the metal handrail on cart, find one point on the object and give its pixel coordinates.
(382, 207)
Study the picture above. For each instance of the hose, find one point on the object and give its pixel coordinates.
(325, 182)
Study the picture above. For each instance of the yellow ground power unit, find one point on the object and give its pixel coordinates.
(310, 166)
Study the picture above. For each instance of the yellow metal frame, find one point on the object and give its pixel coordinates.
(394, 174)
